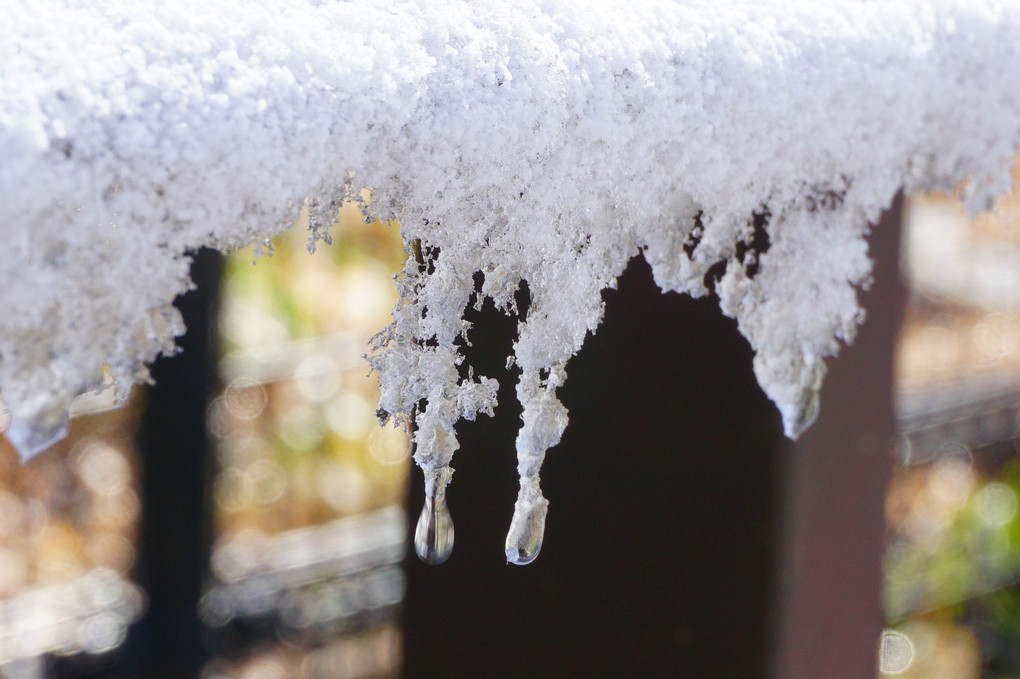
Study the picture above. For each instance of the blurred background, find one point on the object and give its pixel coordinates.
(952, 564)
(299, 538)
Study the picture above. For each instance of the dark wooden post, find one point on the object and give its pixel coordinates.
(686, 536)
(175, 526)
(829, 614)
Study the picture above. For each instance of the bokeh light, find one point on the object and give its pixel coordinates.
(309, 490)
(896, 652)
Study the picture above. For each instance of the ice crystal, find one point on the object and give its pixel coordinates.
(544, 143)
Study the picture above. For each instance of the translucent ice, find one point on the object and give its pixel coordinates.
(801, 414)
(38, 423)
(527, 529)
(433, 534)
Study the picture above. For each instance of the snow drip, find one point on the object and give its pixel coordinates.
(538, 142)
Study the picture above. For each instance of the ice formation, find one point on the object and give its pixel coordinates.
(545, 142)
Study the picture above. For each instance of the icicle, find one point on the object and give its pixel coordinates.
(800, 402)
(39, 423)
(433, 536)
(801, 415)
(545, 418)
(527, 529)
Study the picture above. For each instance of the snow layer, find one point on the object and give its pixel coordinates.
(539, 141)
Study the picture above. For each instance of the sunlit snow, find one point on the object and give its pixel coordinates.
(539, 142)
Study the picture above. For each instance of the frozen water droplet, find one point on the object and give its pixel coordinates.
(527, 530)
(38, 424)
(433, 536)
(800, 416)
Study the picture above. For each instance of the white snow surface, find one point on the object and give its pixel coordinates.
(540, 141)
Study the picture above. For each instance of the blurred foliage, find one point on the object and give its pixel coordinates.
(298, 441)
(952, 564)
(953, 567)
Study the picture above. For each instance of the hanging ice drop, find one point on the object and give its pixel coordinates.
(527, 529)
(39, 423)
(801, 415)
(799, 401)
(433, 536)
(544, 419)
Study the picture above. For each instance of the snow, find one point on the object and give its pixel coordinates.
(539, 141)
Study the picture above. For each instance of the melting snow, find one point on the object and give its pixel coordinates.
(546, 142)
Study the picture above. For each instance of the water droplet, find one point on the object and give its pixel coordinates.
(433, 536)
(37, 425)
(800, 416)
(527, 529)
